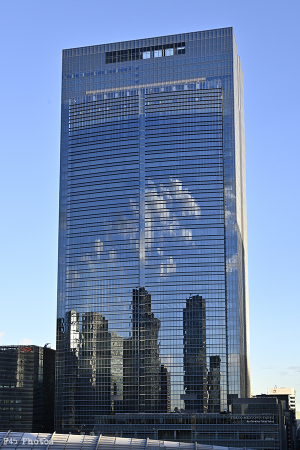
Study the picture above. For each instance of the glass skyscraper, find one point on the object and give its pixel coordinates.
(152, 316)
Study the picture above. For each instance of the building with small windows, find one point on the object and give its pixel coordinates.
(27, 386)
(286, 396)
(256, 423)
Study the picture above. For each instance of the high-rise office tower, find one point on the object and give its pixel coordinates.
(152, 278)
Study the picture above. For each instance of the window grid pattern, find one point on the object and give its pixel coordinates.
(151, 195)
(145, 285)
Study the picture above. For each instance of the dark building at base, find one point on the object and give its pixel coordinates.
(256, 423)
(27, 387)
(288, 406)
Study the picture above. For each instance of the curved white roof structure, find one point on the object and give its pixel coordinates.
(47, 441)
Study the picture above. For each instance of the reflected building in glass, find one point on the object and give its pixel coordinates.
(142, 364)
(152, 279)
(194, 355)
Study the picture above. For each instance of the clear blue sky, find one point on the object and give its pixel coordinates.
(33, 34)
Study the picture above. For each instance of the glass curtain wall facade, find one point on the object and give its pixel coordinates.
(152, 279)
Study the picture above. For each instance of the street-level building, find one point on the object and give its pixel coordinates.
(27, 388)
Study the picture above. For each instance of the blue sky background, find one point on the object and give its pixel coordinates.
(33, 34)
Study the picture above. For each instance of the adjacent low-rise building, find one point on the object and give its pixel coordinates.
(256, 423)
(287, 397)
(285, 394)
(27, 385)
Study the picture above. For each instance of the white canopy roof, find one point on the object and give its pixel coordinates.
(44, 441)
